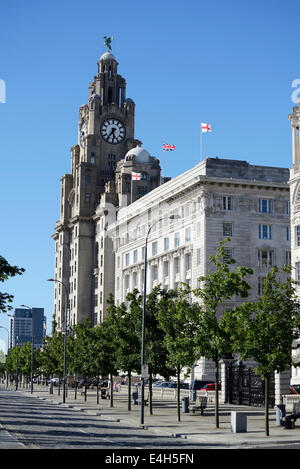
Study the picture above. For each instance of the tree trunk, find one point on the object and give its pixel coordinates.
(129, 390)
(97, 389)
(217, 394)
(178, 393)
(267, 405)
(150, 392)
(111, 390)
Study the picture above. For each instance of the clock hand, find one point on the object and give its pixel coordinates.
(112, 131)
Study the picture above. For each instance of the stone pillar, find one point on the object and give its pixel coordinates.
(294, 145)
(282, 385)
(222, 394)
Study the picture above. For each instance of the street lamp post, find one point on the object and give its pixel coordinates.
(17, 368)
(171, 217)
(65, 335)
(32, 348)
(2, 327)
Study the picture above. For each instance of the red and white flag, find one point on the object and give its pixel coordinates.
(136, 176)
(205, 127)
(167, 147)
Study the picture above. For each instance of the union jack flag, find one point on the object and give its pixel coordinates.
(167, 147)
(136, 176)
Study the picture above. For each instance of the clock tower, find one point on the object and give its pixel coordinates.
(105, 136)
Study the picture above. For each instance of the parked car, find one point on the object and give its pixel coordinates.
(162, 384)
(103, 384)
(198, 384)
(295, 389)
(173, 385)
(184, 385)
(210, 387)
(157, 383)
(55, 381)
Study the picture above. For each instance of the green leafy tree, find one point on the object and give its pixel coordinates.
(156, 353)
(106, 360)
(7, 271)
(85, 351)
(265, 330)
(52, 356)
(125, 328)
(217, 287)
(176, 316)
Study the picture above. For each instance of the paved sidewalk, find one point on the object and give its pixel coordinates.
(199, 429)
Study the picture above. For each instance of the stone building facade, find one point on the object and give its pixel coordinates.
(295, 210)
(105, 213)
(216, 199)
(100, 173)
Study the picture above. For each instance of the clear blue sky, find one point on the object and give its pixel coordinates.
(230, 64)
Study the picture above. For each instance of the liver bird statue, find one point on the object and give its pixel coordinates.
(107, 42)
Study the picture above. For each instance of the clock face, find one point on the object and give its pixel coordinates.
(113, 131)
(83, 132)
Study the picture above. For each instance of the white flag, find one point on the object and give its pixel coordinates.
(205, 128)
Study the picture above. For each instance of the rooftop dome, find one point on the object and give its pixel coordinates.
(140, 155)
(107, 56)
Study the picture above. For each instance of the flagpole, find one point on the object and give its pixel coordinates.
(200, 142)
(162, 169)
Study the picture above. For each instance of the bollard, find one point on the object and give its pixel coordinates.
(280, 414)
(238, 422)
(185, 405)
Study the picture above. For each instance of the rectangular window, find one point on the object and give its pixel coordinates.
(227, 254)
(298, 235)
(127, 259)
(288, 257)
(260, 285)
(166, 269)
(154, 248)
(166, 244)
(198, 256)
(265, 231)
(135, 255)
(227, 229)
(176, 240)
(287, 208)
(134, 279)
(177, 265)
(154, 272)
(142, 190)
(265, 206)
(188, 235)
(227, 202)
(288, 233)
(126, 282)
(265, 258)
(187, 262)
(297, 266)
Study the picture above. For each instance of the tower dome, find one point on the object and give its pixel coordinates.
(140, 155)
(107, 56)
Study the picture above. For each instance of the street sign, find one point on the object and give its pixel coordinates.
(145, 371)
